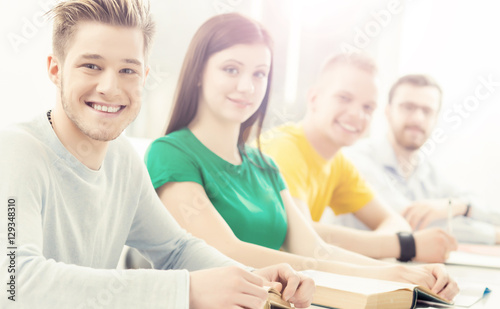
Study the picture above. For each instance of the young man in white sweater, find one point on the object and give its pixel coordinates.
(75, 192)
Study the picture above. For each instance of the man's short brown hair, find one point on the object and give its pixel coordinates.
(419, 80)
(127, 13)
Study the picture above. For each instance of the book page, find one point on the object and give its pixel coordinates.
(358, 285)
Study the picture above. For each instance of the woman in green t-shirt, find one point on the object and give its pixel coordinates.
(230, 194)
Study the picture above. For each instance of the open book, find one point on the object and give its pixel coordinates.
(274, 300)
(337, 291)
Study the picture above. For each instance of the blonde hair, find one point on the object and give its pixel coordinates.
(360, 61)
(127, 13)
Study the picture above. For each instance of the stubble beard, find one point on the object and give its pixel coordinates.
(99, 133)
(408, 145)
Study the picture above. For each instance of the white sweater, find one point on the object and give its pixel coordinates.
(71, 224)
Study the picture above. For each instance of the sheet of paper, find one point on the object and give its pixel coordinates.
(470, 293)
(480, 249)
(472, 259)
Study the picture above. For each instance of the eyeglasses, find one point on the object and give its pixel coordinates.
(410, 108)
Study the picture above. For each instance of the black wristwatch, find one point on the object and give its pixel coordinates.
(467, 210)
(407, 244)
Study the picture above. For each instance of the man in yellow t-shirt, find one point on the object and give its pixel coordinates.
(339, 111)
(315, 180)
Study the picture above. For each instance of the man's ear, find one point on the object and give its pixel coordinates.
(312, 94)
(388, 111)
(146, 73)
(54, 70)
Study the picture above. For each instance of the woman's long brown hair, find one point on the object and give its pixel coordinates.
(216, 34)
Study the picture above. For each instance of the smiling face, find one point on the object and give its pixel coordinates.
(412, 114)
(234, 83)
(101, 79)
(342, 104)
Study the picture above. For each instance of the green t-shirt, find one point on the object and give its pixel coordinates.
(247, 196)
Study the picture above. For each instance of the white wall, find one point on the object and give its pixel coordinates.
(25, 89)
(26, 41)
(455, 41)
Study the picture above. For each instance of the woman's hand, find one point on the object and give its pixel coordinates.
(432, 276)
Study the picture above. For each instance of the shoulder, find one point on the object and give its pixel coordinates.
(179, 137)
(368, 155)
(284, 143)
(23, 143)
(341, 158)
(288, 135)
(175, 151)
(365, 147)
(19, 134)
(175, 143)
(25, 158)
(341, 163)
(178, 140)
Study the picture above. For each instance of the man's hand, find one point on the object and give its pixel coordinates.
(433, 245)
(422, 213)
(233, 287)
(297, 288)
(227, 287)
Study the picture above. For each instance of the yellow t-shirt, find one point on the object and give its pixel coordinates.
(311, 178)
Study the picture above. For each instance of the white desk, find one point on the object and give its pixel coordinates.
(489, 277)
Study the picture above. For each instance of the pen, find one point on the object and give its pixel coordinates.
(450, 216)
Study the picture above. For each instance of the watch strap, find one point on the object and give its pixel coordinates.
(408, 248)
